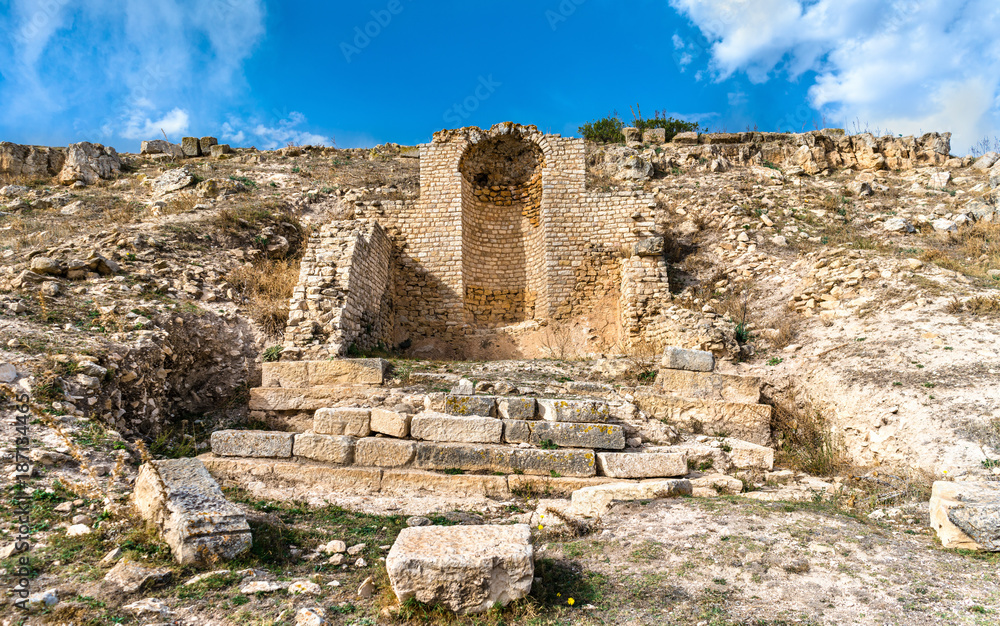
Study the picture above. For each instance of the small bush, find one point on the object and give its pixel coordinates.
(605, 130)
(272, 354)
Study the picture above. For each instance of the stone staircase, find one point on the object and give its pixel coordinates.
(489, 445)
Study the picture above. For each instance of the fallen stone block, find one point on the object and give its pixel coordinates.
(182, 499)
(220, 149)
(381, 452)
(131, 577)
(574, 411)
(341, 421)
(966, 515)
(516, 408)
(252, 443)
(460, 404)
(600, 436)
(692, 360)
(746, 455)
(467, 569)
(391, 423)
(597, 500)
(337, 449)
(504, 459)
(205, 144)
(712, 485)
(710, 386)
(439, 427)
(641, 464)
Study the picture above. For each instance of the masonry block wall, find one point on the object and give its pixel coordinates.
(504, 231)
(344, 294)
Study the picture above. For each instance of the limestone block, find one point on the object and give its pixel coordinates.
(712, 485)
(337, 449)
(633, 136)
(408, 482)
(382, 452)
(516, 431)
(654, 135)
(692, 360)
(641, 465)
(190, 147)
(710, 386)
(205, 144)
(182, 499)
(551, 486)
(458, 428)
(966, 515)
(504, 459)
(350, 422)
(301, 399)
(597, 500)
(748, 422)
(252, 443)
(298, 374)
(746, 455)
(221, 149)
(467, 569)
(601, 436)
(460, 404)
(338, 371)
(586, 411)
(686, 139)
(516, 408)
(390, 423)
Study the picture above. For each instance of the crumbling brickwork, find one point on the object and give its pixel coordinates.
(344, 295)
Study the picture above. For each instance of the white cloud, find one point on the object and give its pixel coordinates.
(271, 136)
(143, 62)
(907, 65)
(175, 124)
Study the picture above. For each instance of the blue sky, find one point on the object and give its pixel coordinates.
(267, 73)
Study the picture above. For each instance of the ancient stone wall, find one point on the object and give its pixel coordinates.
(345, 293)
(504, 231)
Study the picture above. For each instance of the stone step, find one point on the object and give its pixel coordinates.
(456, 404)
(642, 464)
(749, 422)
(565, 435)
(505, 459)
(573, 411)
(343, 421)
(252, 443)
(295, 480)
(304, 399)
(724, 454)
(298, 374)
(456, 428)
(709, 386)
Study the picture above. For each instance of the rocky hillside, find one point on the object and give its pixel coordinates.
(857, 276)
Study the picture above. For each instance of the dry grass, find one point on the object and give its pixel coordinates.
(806, 442)
(265, 288)
(972, 251)
(983, 306)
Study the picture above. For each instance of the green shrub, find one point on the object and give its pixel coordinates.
(604, 130)
(671, 125)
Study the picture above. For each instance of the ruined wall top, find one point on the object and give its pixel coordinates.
(474, 134)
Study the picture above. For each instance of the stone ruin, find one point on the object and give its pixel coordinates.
(504, 232)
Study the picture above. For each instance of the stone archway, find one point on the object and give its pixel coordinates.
(503, 264)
